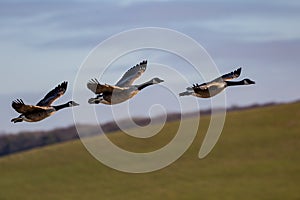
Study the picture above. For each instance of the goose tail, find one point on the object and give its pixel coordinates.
(91, 101)
(186, 93)
(94, 101)
(189, 91)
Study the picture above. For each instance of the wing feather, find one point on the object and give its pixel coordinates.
(226, 77)
(197, 87)
(232, 75)
(132, 74)
(53, 95)
(20, 107)
(98, 88)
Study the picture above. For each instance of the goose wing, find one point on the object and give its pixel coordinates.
(208, 86)
(98, 88)
(53, 95)
(132, 74)
(20, 107)
(218, 82)
(197, 87)
(232, 75)
(226, 77)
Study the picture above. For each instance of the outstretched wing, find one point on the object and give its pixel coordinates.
(225, 77)
(132, 74)
(98, 88)
(20, 107)
(232, 75)
(54, 94)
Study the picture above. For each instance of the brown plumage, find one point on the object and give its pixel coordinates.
(123, 90)
(214, 87)
(43, 109)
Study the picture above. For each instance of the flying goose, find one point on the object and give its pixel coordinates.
(42, 109)
(212, 88)
(124, 88)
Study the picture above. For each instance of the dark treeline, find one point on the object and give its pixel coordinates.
(12, 143)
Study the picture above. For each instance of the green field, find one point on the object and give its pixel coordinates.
(257, 157)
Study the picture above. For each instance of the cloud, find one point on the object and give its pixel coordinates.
(80, 24)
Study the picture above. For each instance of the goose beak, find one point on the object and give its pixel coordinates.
(73, 103)
(160, 80)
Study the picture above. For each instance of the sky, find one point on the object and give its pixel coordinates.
(44, 43)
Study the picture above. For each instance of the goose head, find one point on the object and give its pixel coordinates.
(248, 82)
(156, 80)
(72, 104)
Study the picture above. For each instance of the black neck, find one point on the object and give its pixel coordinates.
(61, 106)
(142, 86)
(235, 83)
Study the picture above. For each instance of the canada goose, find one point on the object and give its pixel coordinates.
(212, 88)
(123, 90)
(43, 109)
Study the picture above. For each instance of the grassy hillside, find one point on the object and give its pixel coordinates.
(257, 157)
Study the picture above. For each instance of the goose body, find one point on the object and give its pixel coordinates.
(214, 87)
(124, 88)
(43, 109)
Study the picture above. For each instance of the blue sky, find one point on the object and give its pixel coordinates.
(44, 43)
